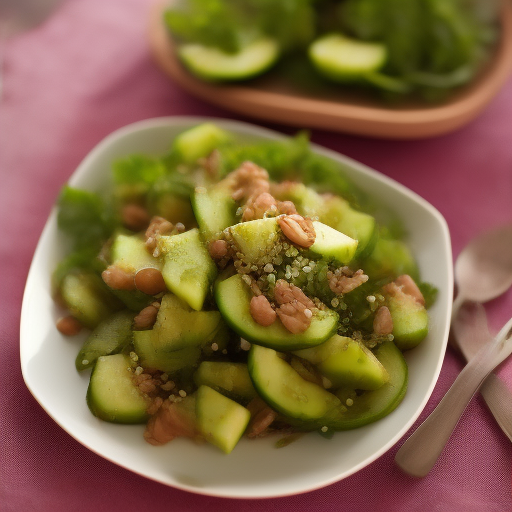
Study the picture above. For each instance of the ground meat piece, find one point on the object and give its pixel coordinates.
(295, 316)
(260, 422)
(344, 280)
(258, 205)
(157, 226)
(407, 285)
(298, 229)
(261, 311)
(146, 318)
(134, 216)
(118, 279)
(286, 208)
(382, 322)
(285, 292)
(218, 249)
(248, 180)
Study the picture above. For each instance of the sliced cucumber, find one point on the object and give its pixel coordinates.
(220, 420)
(254, 239)
(308, 202)
(233, 298)
(374, 405)
(331, 244)
(390, 258)
(112, 395)
(87, 298)
(109, 337)
(410, 320)
(129, 252)
(230, 379)
(342, 59)
(347, 362)
(285, 390)
(199, 141)
(211, 63)
(361, 226)
(188, 269)
(214, 209)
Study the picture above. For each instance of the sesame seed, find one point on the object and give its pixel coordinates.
(335, 302)
(306, 269)
(224, 351)
(308, 313)
(349, 402)
(215, 347)
(324, 429)
(182, 393)
(370, 298)
(134, 357)
(139, 370)
(85, 361)
(268, 268)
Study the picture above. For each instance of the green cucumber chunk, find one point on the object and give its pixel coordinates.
(109, 337)
(112, 395)
(233, 298)
(230, 379)
(285, 390)
(343, 59)
(188, 269)
(255, 238)
(178, 336)
(199, 141)
(129, 252)
(331, 244)
(210, 63)
(374, 405)
(361, 226)
(410, 320)
(214, 209)
(87, 298)
(220, 420)
(346, 363)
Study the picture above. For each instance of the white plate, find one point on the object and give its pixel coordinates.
(255, 468)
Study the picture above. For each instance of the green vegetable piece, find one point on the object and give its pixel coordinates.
(199, 141)
(112, 396)
(230, 379)
(188, 269)
(342, 59)
(109, 337)
(374, 405)
(87, 298)
(255, 238)
(331, 244)
(233, 298)
(213, 64)
(285, 390)
(410, 320)
(129, 252)
(214, 209)
(220, 420)
(347, 363)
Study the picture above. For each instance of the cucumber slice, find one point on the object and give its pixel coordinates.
(230, 379)
(188, 269)
(331, 244)
(129, 253)
(211, 63)
(285, 390)
(347, 362)
(109, 337)
(361, 226)
(255, 238)
(214, 209)
(342, 59)
(374, 405)
(220, 420)
(390, 259)
(87, 298)
(410, 320)
(233, 298)
(112, 395)
(308, 202)
(199, 141)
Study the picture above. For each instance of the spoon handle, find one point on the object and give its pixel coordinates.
(420, 452)
(471, 332)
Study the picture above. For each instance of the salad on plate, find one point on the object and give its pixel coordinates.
(236, 288)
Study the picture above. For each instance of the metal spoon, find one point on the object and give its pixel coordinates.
(471, 332)
(421, 451)
(483, 270)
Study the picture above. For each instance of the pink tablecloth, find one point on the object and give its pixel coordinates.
(85, 72)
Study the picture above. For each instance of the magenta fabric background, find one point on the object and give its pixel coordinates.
(86, 72)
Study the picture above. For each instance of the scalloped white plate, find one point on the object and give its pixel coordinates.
(255, 469)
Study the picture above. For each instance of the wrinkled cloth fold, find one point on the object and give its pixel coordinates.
(87, 71)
